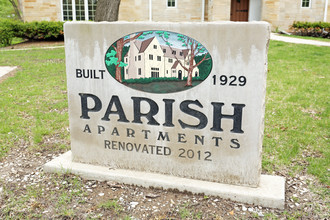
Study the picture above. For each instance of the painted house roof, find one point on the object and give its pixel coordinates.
(169, 52)
(175, 65)
(144, 44)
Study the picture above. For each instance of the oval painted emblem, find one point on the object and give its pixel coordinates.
(158, 61)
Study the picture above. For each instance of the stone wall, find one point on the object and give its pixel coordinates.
(219, 10)
(282, 13)
(134, 10)
(138, 10)
(41, 10)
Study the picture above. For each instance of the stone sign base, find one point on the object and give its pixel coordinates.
(270, 193)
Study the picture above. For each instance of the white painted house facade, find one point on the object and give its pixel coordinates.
(148, 58)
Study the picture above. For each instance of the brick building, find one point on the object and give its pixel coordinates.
(280, 13)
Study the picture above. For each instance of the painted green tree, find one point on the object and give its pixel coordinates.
(205, 67)
(195, 49)
(114, 56)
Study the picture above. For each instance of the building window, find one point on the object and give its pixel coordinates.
(159, 58)
(155, 46)
(91, 9)
(151, 57)
(170, 60)
(126, 71)
(164, 50)
(139, 71)
(174, 52)
(305, 3)
(181, 53)
(139, 57)
(135, 58)
(78, 10)
(126, 59)
(171, 3)
(67, 10)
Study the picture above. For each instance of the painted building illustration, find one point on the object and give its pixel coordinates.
(150, 59)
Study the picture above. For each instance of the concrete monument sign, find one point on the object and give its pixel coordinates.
(183, 101)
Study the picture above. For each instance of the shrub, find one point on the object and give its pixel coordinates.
(313, 29)
(8, 30)
(43, 30)
(149, 80)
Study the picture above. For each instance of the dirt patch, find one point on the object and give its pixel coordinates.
(34, 44)
(28, 192)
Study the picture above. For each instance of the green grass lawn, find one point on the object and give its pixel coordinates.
(33, 109)
(33, 103)
(297, 110)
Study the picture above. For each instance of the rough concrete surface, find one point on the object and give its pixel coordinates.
(270, 193)
(4, 70)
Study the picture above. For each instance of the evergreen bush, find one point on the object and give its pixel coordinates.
(312, 29)
(42, 30)
(36, 30)
(8, 30)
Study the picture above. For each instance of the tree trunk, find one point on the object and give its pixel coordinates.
(107, 10)
(16, 9)
(189, 78)
(191, 67)
(120, 46)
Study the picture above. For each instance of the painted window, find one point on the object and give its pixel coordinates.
(155, 74)
(171, 3)
(78, 10)
(305, 3)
